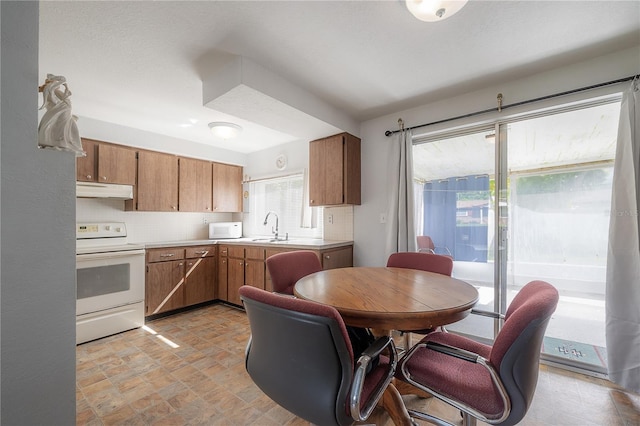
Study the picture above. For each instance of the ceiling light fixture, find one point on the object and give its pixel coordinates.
(434, 10)
(225, 130)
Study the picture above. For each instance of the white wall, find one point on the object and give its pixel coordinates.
(37, 220)
(369, 234)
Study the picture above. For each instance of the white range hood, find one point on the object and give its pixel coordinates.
(104, 190)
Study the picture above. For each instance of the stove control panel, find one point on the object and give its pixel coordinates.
(100, 230)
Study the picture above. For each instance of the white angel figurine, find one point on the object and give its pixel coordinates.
(58, 127)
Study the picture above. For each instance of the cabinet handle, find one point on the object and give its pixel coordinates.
(180, 264)
(104, 178)
(201, 252)
(173, 207)
(327, 256)
(167, 255)
(88, 176)
(190, 264)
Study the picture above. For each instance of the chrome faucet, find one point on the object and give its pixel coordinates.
(267, 218)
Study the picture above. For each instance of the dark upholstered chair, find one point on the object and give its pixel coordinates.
(494, 384)
(287, 268)
(437, 263)
(300, 356)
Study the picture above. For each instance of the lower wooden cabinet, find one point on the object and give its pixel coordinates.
(177, 277)
(162, 281)
(246, 265)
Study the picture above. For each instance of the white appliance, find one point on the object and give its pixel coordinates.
(225, 230)
(104, 190)
(110, 281)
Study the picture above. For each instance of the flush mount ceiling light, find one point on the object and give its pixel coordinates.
(434, 10)
(225, 130)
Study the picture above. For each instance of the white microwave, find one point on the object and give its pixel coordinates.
(224, 230)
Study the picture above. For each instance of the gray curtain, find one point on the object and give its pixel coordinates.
(623, 257)
(401, 231)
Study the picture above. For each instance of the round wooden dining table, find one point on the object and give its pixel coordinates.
(388, 299)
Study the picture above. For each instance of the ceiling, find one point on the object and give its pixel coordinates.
(142, 64)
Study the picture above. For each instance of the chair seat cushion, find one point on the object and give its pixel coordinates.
(452, 377)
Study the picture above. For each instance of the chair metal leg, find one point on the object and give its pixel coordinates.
(407, 340)
(468, 419)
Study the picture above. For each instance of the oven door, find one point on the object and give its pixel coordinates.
(108, 280)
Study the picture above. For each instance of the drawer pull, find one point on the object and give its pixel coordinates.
(167, 255)
(202, 252)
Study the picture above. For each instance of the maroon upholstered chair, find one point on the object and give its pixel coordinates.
(496, 383)
(437, 263)
(426, 245)
(287, 268)
(300, 356)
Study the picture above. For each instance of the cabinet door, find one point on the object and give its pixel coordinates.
(222, 279)
(254, 273)
(195, 182)
(86, 167)
(227, 188)
(326, 171)
(163, 287)
(157, 188)
(337, 258)
(200, 281)
(235, 279)
(116, 164)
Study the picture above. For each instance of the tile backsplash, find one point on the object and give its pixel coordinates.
(150, 227)
(338, 223)
(153, 227)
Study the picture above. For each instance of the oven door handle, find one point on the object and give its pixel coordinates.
(109, 255)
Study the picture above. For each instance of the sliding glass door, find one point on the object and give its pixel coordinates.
(456, 175)
(524, 200)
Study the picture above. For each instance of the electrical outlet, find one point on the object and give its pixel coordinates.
(330, 219)
(205, 220)
(383, 218)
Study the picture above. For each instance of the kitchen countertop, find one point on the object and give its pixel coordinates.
(298, 243)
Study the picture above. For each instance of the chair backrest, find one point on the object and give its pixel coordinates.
(287, 268)
(425, 242)
(515, 354)
(299, 355)
(423, 261)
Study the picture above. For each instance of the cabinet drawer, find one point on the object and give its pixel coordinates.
(162, 255)
(200, 251)
(254, 253)
(236, 251)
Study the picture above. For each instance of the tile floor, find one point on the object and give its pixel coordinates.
(191, 372)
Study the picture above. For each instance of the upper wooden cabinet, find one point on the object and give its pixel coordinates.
(106, 163)
(157, 188)
(334, 170)
(194, 192)
(227, 188)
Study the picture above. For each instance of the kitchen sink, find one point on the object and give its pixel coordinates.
(271, 240)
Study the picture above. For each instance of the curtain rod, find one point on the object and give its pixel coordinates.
(501, 107)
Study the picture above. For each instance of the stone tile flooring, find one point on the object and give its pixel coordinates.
(188, 369)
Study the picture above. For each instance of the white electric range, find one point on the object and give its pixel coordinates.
(110, 281)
